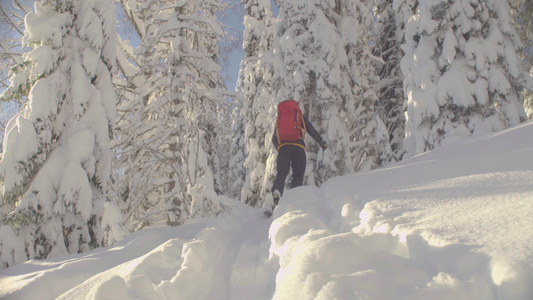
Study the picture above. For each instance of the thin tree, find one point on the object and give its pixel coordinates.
(11, 32)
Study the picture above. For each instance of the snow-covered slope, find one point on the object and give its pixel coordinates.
(455, 223)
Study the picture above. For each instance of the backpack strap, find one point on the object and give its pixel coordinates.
(277, 131)
(303, 128)
(294, 144)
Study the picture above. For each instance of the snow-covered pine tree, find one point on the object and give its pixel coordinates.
(310, 69)
(171, 123)
(462, 72)
(367, 151)
(388, 29)
(333, 83)
(129, 182)
(523, 19)
(255, 104)
(56, 163)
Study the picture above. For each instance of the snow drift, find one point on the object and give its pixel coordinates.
(454, 223)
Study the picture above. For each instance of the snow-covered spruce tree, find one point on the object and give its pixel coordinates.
(170, 124)
(256, 102)
(56, 162)
(462, 72)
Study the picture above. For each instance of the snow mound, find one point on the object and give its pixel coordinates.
(454, 223)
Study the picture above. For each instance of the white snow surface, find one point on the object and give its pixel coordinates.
(454, 223)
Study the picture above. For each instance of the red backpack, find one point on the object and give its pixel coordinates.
(290, 124)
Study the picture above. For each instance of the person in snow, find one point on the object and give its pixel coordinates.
(288, 138)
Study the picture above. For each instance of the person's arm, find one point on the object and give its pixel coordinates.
(314, 134)
(275, 141)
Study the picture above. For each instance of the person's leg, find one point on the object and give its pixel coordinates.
(299, 161)
(283, 164)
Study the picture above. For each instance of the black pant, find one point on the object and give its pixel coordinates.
(290, 156)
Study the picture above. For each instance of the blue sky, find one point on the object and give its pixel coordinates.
(232, 48)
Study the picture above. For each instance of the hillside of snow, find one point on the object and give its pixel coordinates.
(454, 223)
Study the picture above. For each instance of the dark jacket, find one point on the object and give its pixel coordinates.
(301, 143)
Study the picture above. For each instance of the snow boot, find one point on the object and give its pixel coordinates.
(276, 195)
(268, 213)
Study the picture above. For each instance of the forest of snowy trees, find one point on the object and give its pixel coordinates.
(105, 135)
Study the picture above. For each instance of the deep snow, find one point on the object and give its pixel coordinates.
(454, 223)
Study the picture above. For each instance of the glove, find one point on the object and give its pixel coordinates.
(323, 145)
